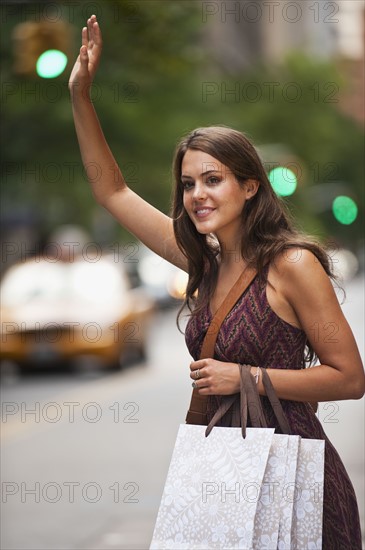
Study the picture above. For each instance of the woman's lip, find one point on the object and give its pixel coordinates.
(203, 212)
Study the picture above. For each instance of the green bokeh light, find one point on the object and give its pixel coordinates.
(51, 64)
(283, 181)
(344, 209)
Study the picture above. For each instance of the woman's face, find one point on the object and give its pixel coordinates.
(212, 197)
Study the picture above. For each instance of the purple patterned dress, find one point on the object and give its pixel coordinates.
(253, 333)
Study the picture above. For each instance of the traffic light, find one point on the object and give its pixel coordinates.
(42, 48)
(283, 181)
(344, 209)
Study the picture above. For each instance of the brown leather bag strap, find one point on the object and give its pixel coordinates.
(232, 297)
(198, 406)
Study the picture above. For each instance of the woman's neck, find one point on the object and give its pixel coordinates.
(230, 257)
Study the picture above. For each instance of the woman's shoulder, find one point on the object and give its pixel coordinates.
(299, 269)
(295, 258)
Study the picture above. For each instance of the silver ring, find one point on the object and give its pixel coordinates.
(195, 385)
(197, 374)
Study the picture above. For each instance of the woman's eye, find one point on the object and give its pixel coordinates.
(187, 185)
(213, 180)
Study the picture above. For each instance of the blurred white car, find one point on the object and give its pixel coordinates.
(56, 311)
(164, 282)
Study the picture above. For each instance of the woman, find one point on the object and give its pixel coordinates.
(226, 217)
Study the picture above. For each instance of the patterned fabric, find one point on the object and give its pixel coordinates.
(253, 333)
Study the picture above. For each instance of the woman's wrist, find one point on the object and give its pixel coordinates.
(257, 374)
(80, 93)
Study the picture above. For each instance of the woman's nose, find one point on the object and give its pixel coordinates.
(199, 191)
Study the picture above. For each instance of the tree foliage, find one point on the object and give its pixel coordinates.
(150, 89)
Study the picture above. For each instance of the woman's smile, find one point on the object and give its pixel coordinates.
(202, 212)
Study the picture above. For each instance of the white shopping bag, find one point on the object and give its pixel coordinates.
(290, 508)
(288, 494)
(308, 501)
(212, 489)
(273, 508)
(225, 492)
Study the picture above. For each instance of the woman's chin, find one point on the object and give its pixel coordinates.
(202, 230)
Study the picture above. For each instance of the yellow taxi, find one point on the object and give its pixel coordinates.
(55, 311)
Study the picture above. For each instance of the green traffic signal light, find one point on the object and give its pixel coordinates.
(344, 209)
(51, 64)
(283, 181)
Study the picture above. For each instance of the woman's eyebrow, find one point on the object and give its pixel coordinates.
(210, 172)
(202, 174)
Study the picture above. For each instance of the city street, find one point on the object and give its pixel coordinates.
(85, 454)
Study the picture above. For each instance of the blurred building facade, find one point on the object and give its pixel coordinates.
(266, 31)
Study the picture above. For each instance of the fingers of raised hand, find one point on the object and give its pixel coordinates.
(83, 57)
(93, 30)
(84, 36)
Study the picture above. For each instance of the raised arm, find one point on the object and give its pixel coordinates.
(148, 224)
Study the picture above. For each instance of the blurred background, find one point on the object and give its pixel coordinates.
(93, 368)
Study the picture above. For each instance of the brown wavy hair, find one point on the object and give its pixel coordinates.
(268, 228)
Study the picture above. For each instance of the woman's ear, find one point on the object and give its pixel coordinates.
(251, 188)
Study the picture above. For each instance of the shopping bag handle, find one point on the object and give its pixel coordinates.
(275, 403)
(247, 401)
(250, 403)
(224, 406)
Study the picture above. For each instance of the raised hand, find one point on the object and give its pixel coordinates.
(87, 62)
